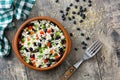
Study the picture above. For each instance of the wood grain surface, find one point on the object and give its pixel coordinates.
(106, 27)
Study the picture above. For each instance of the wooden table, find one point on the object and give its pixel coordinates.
(105, 27)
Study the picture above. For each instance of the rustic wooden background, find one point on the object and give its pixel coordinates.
(104, 66)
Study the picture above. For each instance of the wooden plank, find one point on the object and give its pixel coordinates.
(104, 66)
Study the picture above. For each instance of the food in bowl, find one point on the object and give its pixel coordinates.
(41, 43)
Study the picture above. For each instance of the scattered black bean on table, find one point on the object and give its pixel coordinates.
(71, 4)
(84, 47)
(78, 29)
(74, 22)
(75, 49)
(70, 14)
(69, 18)
(73, 17)
(87, 38)
(56, 1)
(81, 21)
(61, 11)
(77, 0)
(71, 34)
(82, 34)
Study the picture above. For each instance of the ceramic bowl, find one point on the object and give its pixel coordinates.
(15, 42)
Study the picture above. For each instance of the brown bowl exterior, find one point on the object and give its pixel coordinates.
(15, 42)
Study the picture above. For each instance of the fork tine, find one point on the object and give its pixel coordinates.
(92, 52)
(97, 50)
(95, 46)
(89, 48)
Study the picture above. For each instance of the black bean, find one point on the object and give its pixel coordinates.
(73, 17)
(63, 41)
(84, 0)
(31, 49)
(57, 37)
(21, 36)
(29, 24)
(48, 65)
(74, 22)
(52, 30)
(61, 54)
(73, 12)
(49, 41)
(50, 46)
(36, 50)
(40, 66)
(56, 43)
(89, 1)
(71, 34)
(82, 34)
(89, 5)
(32, 56)
(76, 6)
(45, 30)
(66, 14)
(77, 0)
(84, 47)
(57, 1)
(63, 16)
(61, 50)
(39, 21)
(83, 16)
(39, 28)
(87, 38)
(19, 46)
(40, 40)
(30, 63)
(85, 9)
(71, 4)
(39, 44)
(75, 49)
(81, 7)
(52, 60)
(78, 13)
(52, 35)
(34, 30)
(69, 18)
(78, 29)
(28, 33)
(84, 43)
(63, 19)
(81, 10)
(68, 8)
(61, 11)
(81, 21)
(26, 50)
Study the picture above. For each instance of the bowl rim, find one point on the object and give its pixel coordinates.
(15, 42)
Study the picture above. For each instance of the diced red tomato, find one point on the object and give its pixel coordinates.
(45, 60)
(28, 39)
(36, 35)
(49, 31)
(51, 51)
(32, 59)
(48, 44)
(31, 32)
(30, 27)
(57, 57)
(41, 32)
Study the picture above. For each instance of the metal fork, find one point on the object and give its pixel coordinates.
(89, 53)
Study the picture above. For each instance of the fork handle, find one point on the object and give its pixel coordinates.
(68, 73)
